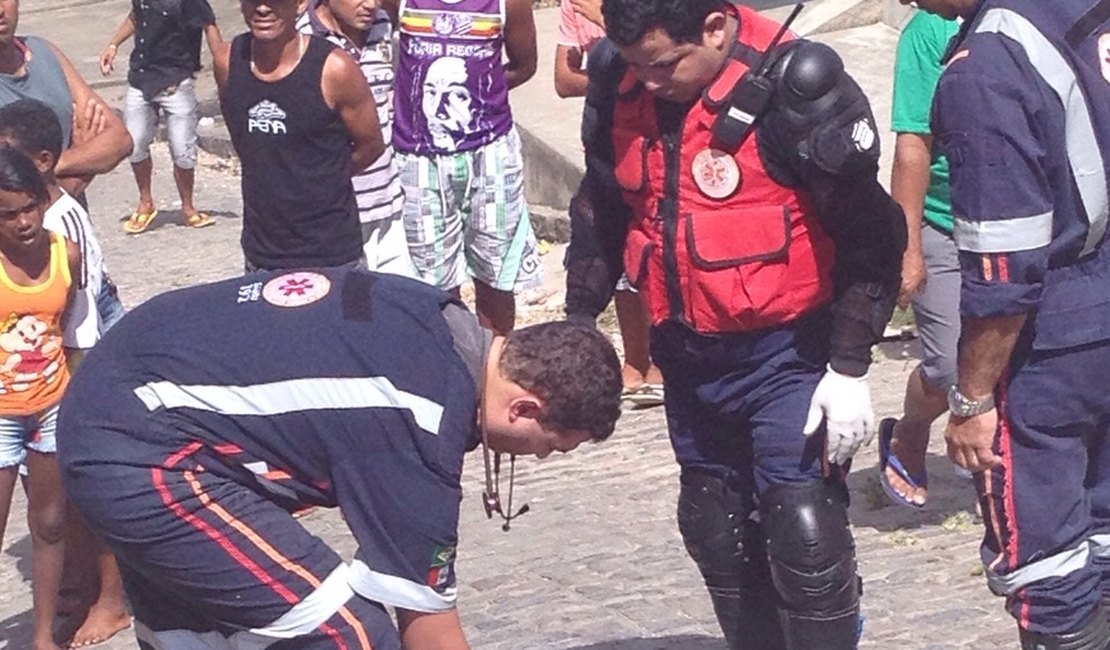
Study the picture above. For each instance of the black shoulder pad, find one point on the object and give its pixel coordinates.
(808, 70)
(820, 110)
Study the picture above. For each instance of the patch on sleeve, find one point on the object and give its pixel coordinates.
(863, 135)
(296, 289)
(441, 568)
(249, 292)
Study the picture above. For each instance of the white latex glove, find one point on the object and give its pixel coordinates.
(845, 404)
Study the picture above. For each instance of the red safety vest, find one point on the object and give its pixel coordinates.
(734, 250)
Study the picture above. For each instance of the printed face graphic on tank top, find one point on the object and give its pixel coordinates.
(266, 117)
(448, 105)
(454, 96)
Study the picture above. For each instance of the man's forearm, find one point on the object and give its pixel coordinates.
(985, 352)
(515, 75)
(869, 230)
(909, 182)
(97, 156)
(213, 37)
(125, 31)
(364, 155)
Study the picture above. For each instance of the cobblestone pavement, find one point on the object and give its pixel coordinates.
(598, 563)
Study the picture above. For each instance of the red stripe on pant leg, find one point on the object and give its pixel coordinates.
(1006, 450)
(229, 547)
(260, 543)
(186, 451)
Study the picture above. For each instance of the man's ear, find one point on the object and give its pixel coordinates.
(715, 30)
(529, 407)
(45, 161)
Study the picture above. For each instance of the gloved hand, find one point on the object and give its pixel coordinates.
(845, 405)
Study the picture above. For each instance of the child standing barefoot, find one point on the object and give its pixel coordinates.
(92, 596)
(36, 271)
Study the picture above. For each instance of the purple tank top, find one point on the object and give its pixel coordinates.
(450, 92)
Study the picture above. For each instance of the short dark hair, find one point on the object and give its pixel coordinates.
(573, 369)
(33, 127)
(626, 21)
(19, 174)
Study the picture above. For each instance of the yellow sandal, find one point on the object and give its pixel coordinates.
(199, 220)
(139, 221)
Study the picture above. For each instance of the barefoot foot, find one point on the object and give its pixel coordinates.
(100, 624)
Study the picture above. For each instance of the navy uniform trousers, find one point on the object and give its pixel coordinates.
(1050, 498)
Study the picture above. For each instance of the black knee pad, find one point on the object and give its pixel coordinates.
(813, 563)
(714, 517)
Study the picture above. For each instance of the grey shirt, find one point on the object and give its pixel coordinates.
(44, 80)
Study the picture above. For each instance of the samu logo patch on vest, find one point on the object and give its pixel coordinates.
(716, 173)
(296, 289)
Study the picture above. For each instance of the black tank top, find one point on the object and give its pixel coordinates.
(298, 204)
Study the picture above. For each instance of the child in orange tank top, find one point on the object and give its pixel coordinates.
(36, 271)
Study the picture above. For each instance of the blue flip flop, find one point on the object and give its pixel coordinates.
(888, 459)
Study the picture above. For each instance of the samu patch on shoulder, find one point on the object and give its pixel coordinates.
(296, 289)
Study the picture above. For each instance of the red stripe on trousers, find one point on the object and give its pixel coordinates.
(226, 544)
(1006, 450)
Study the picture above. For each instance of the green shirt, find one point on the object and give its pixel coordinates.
(917, 70)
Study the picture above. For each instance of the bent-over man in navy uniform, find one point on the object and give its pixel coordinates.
(1023, 113)
(188, 452)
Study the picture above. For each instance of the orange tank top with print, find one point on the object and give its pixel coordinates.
(33, 373)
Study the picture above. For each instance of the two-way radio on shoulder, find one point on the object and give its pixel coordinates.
(751, 96)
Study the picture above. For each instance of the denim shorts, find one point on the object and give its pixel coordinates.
(18, 433)
(109, 305)
(178, 105)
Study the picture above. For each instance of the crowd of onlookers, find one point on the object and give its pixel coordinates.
(368, 136)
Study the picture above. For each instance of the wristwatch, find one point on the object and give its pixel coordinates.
(965, 407)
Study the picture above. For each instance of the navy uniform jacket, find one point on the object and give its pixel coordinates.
(1023, 112)
(329, 388)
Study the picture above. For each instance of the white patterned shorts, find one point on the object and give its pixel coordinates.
(465, 214)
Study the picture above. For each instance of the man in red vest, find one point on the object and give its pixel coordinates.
(769, 257)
